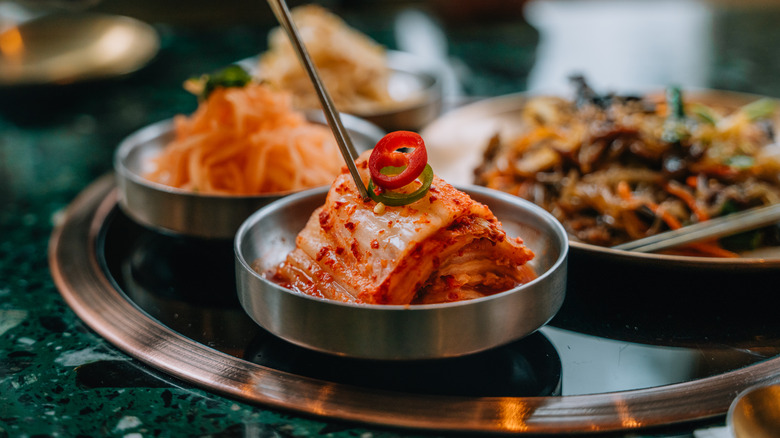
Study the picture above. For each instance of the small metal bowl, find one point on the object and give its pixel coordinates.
(418, 86)
(396, 332)
(175, 211)
(414, 82)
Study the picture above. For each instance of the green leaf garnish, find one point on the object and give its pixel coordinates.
(230, 76)
(746, 241)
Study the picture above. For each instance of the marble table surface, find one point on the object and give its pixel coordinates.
(58, 378)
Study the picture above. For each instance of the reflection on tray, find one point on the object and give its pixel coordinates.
(527, 368)
(189, 285)
(598, 341)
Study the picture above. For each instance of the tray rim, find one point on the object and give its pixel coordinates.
(89, 292)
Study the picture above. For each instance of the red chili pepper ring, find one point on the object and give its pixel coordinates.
(386, 154)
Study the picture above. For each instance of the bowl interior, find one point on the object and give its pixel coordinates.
(269, 235)
(133, 158)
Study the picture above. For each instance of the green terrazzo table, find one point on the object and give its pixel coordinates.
(57, 377)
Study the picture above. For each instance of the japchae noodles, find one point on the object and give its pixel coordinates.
(618, 168)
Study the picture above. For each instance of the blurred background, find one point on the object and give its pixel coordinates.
(55, 138)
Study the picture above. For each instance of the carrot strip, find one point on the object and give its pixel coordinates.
(624, 191)
(676, 190)
(712, 249)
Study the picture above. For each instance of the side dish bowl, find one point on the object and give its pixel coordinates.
(176, 211)
(393, 332)
(414, 82)
(418, 87)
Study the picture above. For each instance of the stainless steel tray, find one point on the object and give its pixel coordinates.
(726, 363)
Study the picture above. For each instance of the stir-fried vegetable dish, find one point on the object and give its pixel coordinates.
(618, 168)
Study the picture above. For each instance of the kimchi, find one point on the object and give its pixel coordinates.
(443, 247)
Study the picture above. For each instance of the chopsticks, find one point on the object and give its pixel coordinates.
(712, 229)
(282, 13)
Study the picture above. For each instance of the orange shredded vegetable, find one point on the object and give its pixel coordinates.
(677, 190)
(709, 248)
(624, 191)
(246, 141)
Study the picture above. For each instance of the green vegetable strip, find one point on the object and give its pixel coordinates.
(674, 127)
(759, 109)
(393, 198)
(230, 76)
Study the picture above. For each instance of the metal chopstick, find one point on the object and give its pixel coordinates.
(348, 151)
(714, 228)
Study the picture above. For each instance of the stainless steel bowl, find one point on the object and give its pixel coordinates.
(176, 211)
(415, 82)
(392, 332)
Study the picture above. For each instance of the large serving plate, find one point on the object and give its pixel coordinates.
(170, 302)
(456, 142)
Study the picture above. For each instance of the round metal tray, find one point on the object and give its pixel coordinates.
(81, 267)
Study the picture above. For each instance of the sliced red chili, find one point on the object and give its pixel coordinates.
(386, 154)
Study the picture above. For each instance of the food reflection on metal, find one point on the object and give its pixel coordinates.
(11, 44)
(334, 120)
(67, 48)
(712, 229)
(530, 367)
